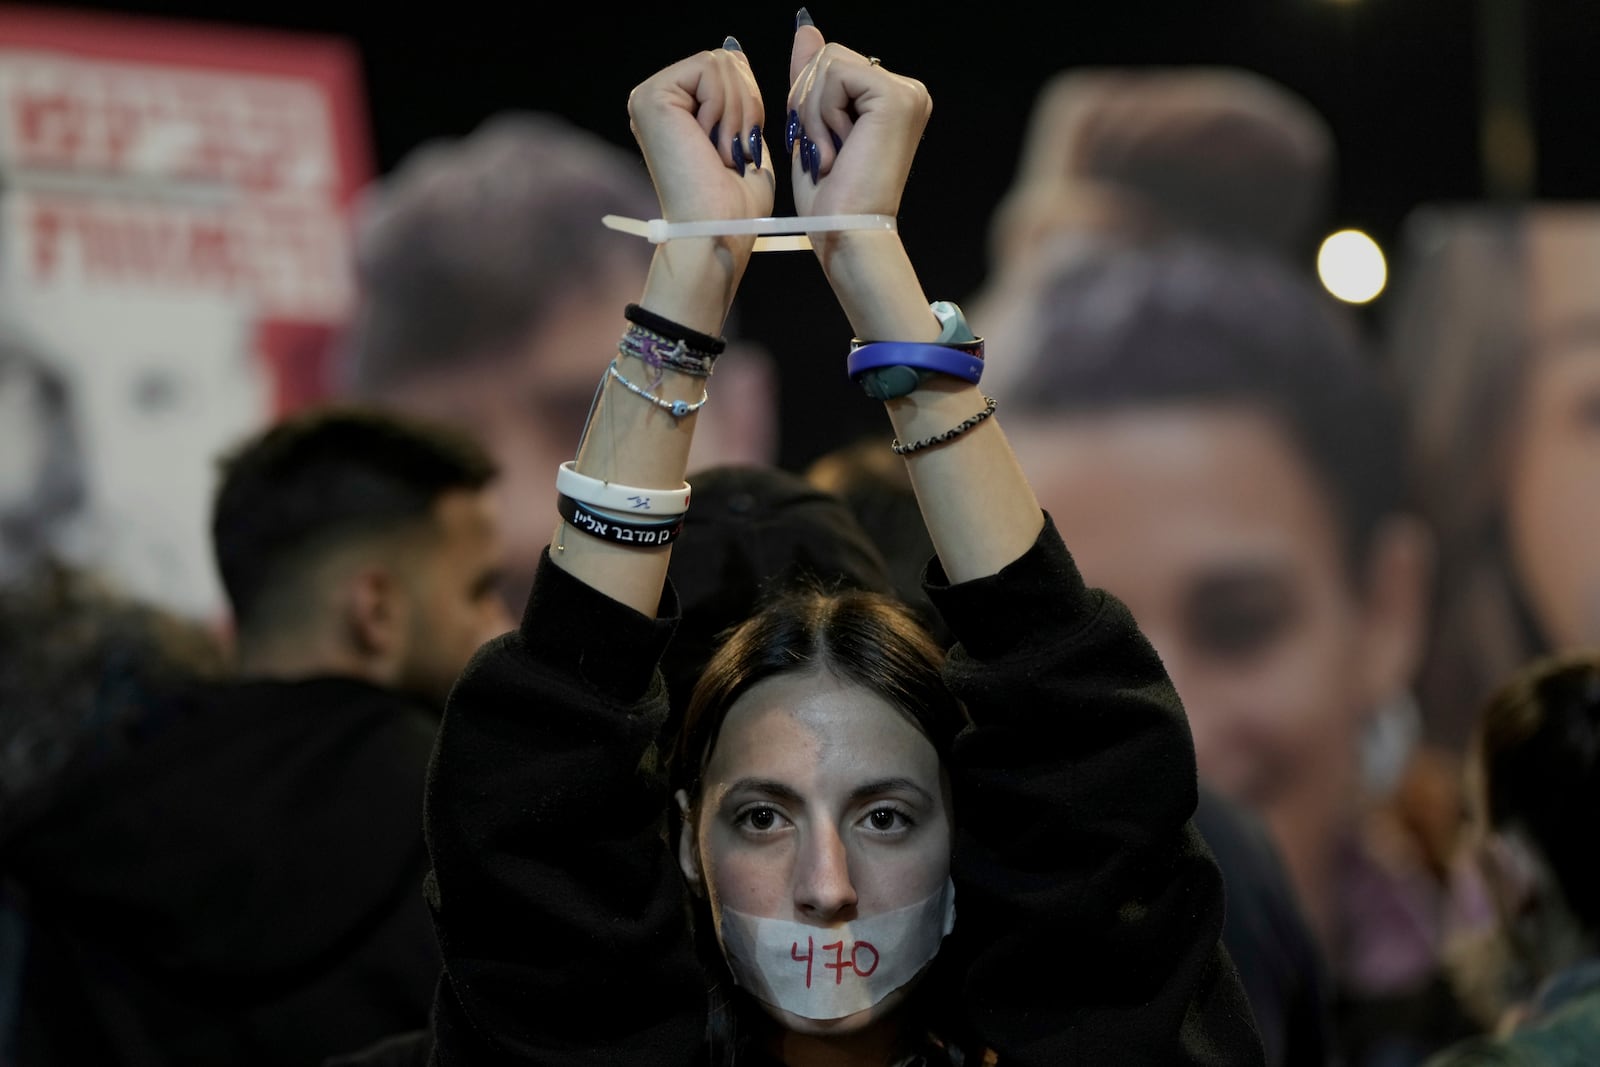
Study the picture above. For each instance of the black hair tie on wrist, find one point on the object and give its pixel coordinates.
(672, 331)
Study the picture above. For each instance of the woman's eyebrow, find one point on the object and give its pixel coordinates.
(880, 786)
(765, 787)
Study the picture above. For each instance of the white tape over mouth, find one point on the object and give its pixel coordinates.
(829, 972)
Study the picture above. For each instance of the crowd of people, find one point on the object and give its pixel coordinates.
(1190, 672)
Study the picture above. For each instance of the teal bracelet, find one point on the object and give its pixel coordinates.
(883, 377)
(894, 368)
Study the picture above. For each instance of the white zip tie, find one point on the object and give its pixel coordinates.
(792, 230)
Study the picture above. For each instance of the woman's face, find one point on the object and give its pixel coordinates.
(1207, 523)
(1553, 496)
(822, 805)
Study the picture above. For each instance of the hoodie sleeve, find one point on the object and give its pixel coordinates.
(1093, 907)
(558, 906)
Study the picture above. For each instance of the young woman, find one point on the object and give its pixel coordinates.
(1494, 335)
(893, 856)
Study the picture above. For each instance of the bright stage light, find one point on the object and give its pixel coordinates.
(1351, 266)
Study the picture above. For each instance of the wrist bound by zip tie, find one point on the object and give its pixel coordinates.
(790, 233)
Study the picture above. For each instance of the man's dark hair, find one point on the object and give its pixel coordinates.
(320, 479)
(473, 242)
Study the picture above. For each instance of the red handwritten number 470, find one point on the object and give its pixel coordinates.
(838, 965)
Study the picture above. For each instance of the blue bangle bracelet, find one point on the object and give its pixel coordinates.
(916, 358)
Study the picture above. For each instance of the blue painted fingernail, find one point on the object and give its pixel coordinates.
(837, 143)
(738, 155)
(802, 18)
(731, 43)
(755, 146)
(790, 132)
(716, 129)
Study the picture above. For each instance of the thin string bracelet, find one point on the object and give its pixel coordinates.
(659, 354)
(948, 435)
(676, 408)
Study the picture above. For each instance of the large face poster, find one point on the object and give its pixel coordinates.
(1495, 336)
(175, 254)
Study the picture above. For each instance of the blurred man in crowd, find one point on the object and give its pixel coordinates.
(244, 882)
(487, 283)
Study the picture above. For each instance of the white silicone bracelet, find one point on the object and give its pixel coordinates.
(659, 230)
(620, 499)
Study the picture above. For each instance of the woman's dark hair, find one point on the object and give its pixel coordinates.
(1459, 339)
(866, 638)
(870, 639)
(1119, 326)
(1538, 744)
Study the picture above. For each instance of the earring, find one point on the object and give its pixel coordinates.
(1391, 738)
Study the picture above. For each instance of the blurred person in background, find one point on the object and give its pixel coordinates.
(1244, 452)
(1119, 164)
(360, 544)
(486, 281)
(244, 883)
(86, 674)
(1533, 765)
(1494, 334)
(1219, 153)
(873, 484)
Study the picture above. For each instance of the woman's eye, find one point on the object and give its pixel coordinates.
(887, 820)
(758, 819)
(1236, 620)
(1235, 634)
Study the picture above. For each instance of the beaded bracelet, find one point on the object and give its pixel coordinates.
(660, 354)
(622, 499)
(676, 408)
(948, 435)
(607, 528)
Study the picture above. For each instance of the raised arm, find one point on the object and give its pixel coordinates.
(558, 907)
(1089, 909)
(860, 127)
(699, 123)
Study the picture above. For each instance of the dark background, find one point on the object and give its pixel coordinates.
(1401, 82)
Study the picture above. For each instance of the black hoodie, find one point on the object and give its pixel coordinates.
(242, 885)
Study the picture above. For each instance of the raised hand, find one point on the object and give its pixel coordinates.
(852, 128)
(699, 123)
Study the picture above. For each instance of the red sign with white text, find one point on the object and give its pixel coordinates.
(174, 217)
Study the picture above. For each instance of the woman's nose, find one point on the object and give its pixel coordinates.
(823, 888)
